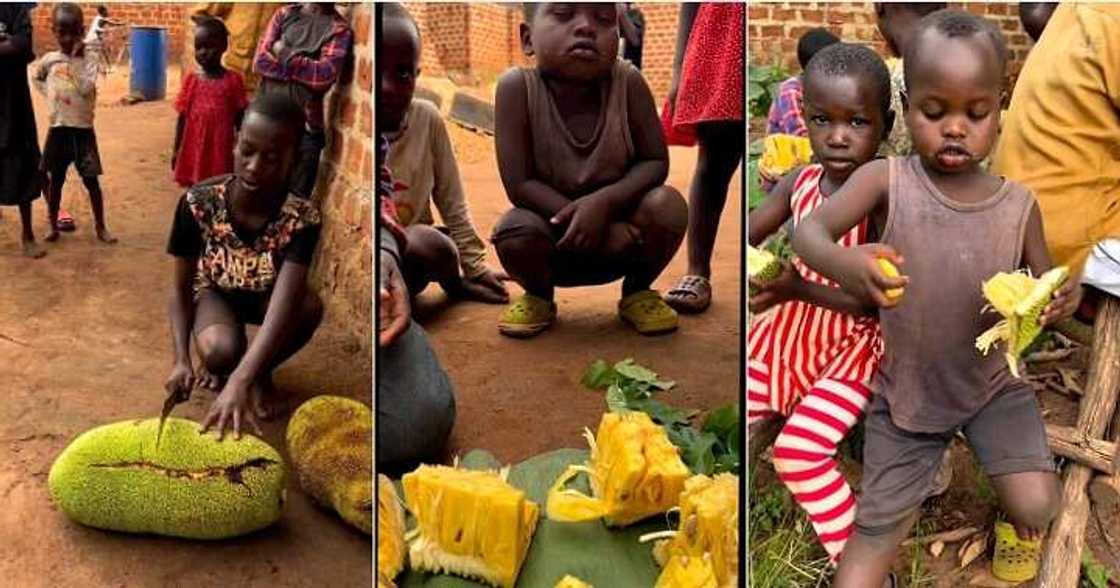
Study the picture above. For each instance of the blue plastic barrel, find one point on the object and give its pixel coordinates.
(148, 54)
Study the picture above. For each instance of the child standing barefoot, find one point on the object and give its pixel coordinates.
(68, 78)
(705, 105)
(210, 107)
(20, 179)
(823, 385)
(242, 245)
(584, 162)
(955, 226)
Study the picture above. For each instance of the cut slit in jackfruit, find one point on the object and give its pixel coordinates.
(470, 523)
(635, 472)
(1020, 299)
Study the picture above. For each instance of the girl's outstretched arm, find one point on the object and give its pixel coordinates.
(179, 124)
(854, 268)
(684, 29)
(180, 309)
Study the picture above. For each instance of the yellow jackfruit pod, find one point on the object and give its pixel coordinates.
(635, 472)
(890, 271)
(688, 571)
(572, 582)
(330, 442)
(762, 265)
(1020, 299)
(709, 525)
(469, 523)
(782, 153)
(390, 532)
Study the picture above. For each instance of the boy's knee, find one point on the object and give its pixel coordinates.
(429, 246)
(1034, 506)
(219, 348)
(663, 208)
(520, 229)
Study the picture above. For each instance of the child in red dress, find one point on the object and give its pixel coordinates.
(210, 105)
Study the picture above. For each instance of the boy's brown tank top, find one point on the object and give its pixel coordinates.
(932, 376)
(577, 168)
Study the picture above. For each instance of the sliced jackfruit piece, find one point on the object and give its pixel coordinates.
(469, 523)
(1020, 299)
(890, 271)
(569, 581)
(635, 472)
(390, 532)
(688, 571)
(709, 527)
(781, 153)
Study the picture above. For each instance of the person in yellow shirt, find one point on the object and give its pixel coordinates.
(247, 23)
(1060, 132)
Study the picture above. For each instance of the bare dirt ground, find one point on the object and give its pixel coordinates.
(84, 341)
(518, 398)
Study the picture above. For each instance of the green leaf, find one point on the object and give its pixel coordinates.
(722, 421)
(599, 375)
(616, 399)
(754, 186)
(628, 369)
(661, 412)
(699, 456)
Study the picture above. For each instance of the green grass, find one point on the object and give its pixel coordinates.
(784, 551)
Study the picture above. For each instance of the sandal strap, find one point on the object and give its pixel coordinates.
(690, 285)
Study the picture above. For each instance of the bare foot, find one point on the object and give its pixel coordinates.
(32, 249)
(209, 381)
(105, 236)
(268, 402)
(52, 236)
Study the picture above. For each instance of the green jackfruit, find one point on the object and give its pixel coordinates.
(762, 265)
(193, 486)
(330, 442)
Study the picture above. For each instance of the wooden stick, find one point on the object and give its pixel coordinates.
(1061, 560)
(1069, 442)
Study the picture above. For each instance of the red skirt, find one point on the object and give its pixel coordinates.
(711, 84)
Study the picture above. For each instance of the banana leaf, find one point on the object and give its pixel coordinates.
(589, 551)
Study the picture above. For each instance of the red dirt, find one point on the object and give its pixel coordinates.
(85, 341)
(518, 398)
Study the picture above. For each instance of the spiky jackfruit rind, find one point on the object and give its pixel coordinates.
(193, 486)
(330, 442)
(469, 523)
(391, 548)
(709, 526)
(683, 571)
(635, 472)
(763, 266)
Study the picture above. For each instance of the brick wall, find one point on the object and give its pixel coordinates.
(342, 272)
(167, 15)
(474, 43)
(774, 28)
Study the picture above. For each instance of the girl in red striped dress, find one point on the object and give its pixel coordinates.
(813, 348)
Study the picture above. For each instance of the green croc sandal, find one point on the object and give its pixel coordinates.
(527, 316)
(1015, 559)
(647, 313)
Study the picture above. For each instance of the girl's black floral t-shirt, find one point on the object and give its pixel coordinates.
(229, 260)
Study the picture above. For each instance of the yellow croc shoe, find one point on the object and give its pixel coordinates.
(526, 316)
(647, 313)
(1015, 559)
